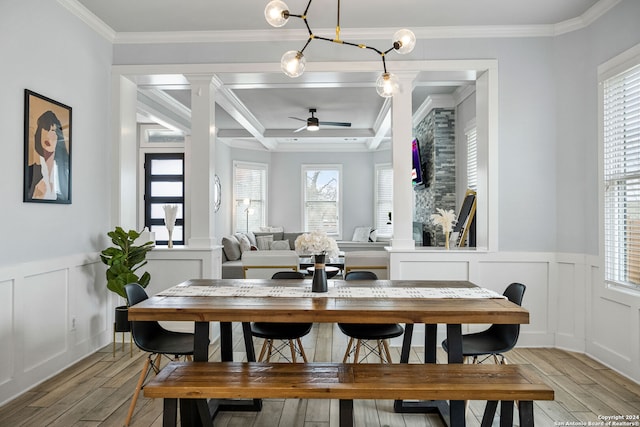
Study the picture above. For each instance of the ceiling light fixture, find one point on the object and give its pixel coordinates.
(293, 62)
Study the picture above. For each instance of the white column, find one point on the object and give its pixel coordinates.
(402, 134)
(125, 153)
(200, 163)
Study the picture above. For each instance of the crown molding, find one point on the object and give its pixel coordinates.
(444, 32)
(86, 16)
(589, 17)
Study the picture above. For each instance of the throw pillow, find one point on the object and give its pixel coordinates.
(373, 236)
(264, 242)
(245, 244)
(361, 234)
(280, 245)
(231, 248)
(252, 238)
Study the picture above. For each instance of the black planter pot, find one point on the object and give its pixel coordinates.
(122, 323)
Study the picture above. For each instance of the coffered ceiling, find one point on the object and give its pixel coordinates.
(255, 108)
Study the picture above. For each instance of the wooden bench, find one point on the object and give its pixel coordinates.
(201, 380)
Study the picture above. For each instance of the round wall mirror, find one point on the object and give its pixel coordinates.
(217, 196)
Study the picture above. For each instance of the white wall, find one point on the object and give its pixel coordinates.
(285, 188)
(547, 163)
(49, 271)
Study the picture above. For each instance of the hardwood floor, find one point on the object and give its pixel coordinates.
(97, 392)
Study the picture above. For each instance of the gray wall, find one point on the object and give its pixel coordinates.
(50, 52)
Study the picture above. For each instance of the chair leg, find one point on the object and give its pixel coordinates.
(379, 345)
(293, 351)
(134, 399)
(357, 354)
(385, 344)
(269, 350)
(346, 353)
(265, 343)
(302, 353)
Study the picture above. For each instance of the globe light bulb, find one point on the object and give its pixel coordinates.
(387, 85)
(404, 41)
(276, 13)
(293, 63)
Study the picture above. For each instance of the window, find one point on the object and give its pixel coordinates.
(621, 143)
(321, 198)
(250, 195)
(164, 184)
(384, 200)
(472, 155)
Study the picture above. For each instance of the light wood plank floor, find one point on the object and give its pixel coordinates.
(97, 392)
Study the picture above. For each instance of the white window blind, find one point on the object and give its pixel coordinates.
(621, 126)
(250, 189)
(384, 200)
(322, 198)
(472, 158)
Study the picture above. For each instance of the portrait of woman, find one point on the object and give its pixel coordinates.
(47, 150)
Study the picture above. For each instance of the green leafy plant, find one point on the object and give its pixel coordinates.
(124, 259)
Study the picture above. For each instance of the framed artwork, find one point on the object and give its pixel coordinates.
(47, 150)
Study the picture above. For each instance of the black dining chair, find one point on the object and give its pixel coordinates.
(496, 340)
(290, 334)
(157, 341)
(362, 333)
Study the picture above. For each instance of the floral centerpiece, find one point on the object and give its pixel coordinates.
(316, 243)
(446, 220)
(319, 245)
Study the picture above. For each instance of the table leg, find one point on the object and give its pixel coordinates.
(226, 355)
(226, 342)
(194, 412)
(453, 413)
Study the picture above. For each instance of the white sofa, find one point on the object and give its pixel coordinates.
(374, 261)
(263, 264)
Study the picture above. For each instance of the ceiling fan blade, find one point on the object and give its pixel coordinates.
(296, 118)
(343, 124)
(299, 129)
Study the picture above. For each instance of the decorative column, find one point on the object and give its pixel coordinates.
(402, 134)
(200, 163)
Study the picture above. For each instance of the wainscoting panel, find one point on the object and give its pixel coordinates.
(6, 330)
(453, 270)
(52, 314)
(497, 275)
(43, 317)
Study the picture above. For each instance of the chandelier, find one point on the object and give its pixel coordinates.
(293, 62)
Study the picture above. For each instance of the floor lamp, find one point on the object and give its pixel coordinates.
(247, 211)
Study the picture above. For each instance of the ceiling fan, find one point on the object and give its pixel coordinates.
(313, 124)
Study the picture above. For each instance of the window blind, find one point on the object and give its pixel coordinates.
(321, 199)
(472, 159)
(621, 126)
(250, 187)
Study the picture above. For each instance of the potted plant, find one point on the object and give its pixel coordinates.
(124, 259)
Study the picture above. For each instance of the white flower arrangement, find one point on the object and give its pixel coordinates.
(316, 243)
(170, 213)
(445, 219)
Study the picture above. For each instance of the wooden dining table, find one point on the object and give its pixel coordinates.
(410, 302)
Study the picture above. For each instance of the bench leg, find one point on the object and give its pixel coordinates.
(346, 413)
(506, 413)
(170, 413)
(456, 413)
(489, 413)
(525, 410)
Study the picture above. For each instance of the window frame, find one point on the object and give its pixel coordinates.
(304, 168)
(237, 203)
(148, 179)
(385, 218)
(606, 72)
